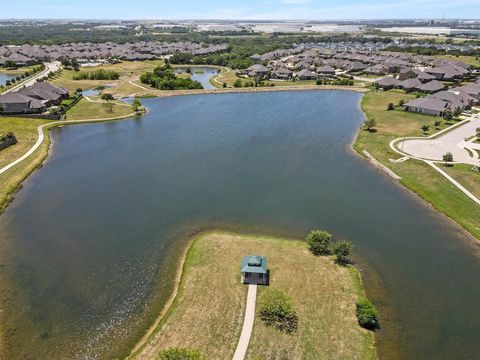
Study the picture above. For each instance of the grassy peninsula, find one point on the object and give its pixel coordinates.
(207, 313)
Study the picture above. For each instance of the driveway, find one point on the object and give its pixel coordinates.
(453, 141)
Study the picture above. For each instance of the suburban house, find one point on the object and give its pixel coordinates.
(386, 83)
(282, 73)
(32, 99)
(431, 86)
(254, 270)
(410, 84)
(406, 73)
(15, 103)
(257, 70)
(306, 74)
(427, 105)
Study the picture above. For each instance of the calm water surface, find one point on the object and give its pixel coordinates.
(204, 77)
(5, 76)
(93, 237)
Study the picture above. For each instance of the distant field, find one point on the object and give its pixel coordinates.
(208, 312)
(127, 71)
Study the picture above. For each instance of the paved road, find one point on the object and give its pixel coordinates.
(247, 324)
(49, 67)
(452, 141)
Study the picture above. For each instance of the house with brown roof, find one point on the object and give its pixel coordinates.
(426, 105)
(409, 84)
(431, 87)
(16, 103)
(386, 83)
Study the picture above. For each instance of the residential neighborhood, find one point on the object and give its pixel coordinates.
(91, 52)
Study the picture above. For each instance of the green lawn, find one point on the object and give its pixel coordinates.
(208, 311)
(25, 130)
(416, 175)
(92, 110)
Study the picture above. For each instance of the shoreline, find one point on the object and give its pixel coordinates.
(9, 196)
(168, 93)
(172, 301)
(179, 271)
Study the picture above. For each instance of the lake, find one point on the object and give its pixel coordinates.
(202, 75)
(94, 236)
(6, 76)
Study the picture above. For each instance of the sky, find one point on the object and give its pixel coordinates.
(240, 9)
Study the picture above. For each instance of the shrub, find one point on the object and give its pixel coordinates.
(97, 75)
(342, 250)
(390, 106)
(275, 309)
(319, 242)
(370, 124)
(179, 354)
(367, 315)
(448, 157)
(237, 83)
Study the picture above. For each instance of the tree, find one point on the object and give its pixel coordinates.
(79, 90)
(425, 128)
(390, 106)
(370, 124)
(448, 158)
(401, 102)
(75, 64)
(367, 315)
(437, 123)
(179, 354)
(447, 114)
(107, 97)
(477, 132)
(319, 242)
(10, 64)
(136, 104)
(276, 310)
(342, 250)
(65, 62)
(224, 85)
(237, 83)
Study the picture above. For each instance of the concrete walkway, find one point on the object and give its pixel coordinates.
(247, 324)
(450, 139)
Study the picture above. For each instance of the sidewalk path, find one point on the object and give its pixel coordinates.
(247, 324)
(49, 67)
(41, 136)
(450, 139)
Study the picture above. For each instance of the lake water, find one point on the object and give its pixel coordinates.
(94, 235)
(204, 76)
(5, 76)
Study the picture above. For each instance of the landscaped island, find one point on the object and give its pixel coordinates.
(207, 313)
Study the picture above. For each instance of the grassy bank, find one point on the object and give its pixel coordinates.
(207, 313)
(416, 175)
(25, 130)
